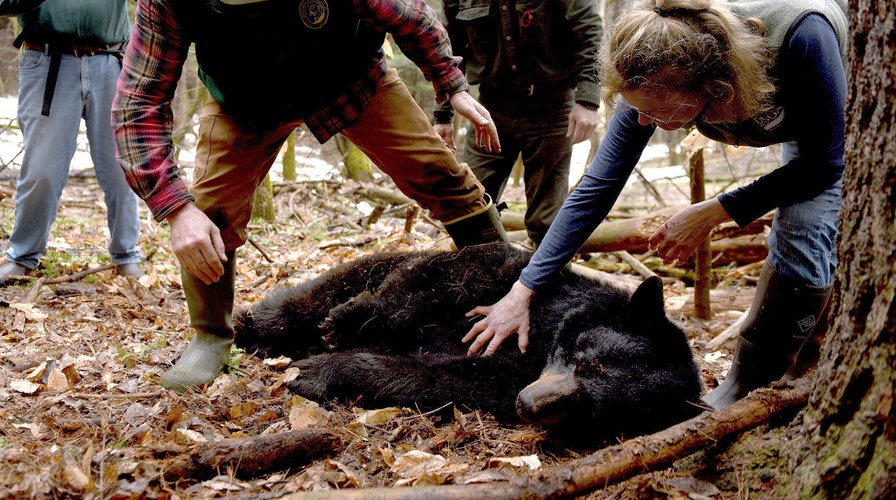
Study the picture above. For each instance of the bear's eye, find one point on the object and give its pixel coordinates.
(589, 366)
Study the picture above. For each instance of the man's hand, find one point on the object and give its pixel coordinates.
(197, 243)
(446, 132)
(677, 238)
(471, 109)
(508, 316)
(582, 122)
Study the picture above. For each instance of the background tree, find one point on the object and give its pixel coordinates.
(846, 446)
(289, 158)
(263, 203)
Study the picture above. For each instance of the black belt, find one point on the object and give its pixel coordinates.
(56, 50)
(74, 49)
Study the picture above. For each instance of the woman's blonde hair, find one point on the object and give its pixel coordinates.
(690, 46)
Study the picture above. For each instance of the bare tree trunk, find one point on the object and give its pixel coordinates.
(263, 204)
(703, 255)
(847, 447)
(289, 158)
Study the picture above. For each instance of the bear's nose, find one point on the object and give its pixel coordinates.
(549, 399)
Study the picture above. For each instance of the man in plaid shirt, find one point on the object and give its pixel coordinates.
(271, 65)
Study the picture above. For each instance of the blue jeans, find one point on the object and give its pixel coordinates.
(803, 240)
(84, 89)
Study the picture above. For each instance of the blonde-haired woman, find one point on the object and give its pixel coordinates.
(744, 72)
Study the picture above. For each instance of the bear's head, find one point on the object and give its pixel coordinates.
(625, 367)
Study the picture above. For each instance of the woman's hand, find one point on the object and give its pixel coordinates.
(508, 316)
(679, 236)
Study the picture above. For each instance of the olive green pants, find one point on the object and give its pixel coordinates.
(232, 160)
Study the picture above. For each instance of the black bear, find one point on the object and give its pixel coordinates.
(387, 329)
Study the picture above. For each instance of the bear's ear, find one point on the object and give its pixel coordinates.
(647, 301)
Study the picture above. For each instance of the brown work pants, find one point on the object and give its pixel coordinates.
(232, 160)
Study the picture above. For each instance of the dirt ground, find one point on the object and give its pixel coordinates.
(82, 414)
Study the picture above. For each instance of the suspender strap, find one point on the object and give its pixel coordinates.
(50, 87)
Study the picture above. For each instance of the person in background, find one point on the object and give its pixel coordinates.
(270, 66)
(745, 73)
(536, 66)
(70, 63)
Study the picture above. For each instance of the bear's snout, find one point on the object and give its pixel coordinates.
(548, 400)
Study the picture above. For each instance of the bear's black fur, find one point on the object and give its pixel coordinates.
(387, 328)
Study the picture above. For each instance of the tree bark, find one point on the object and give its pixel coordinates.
(847, 446)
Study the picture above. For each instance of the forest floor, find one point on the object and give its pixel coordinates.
(82, 414)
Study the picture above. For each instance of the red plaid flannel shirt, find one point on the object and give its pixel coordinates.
(142, 116)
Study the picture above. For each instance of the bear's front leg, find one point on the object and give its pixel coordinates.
(362, 322)
(421, 382)
(377, 379)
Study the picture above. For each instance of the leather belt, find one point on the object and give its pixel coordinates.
(56, 50)
(74, 49)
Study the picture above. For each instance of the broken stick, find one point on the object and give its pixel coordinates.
(250, 457)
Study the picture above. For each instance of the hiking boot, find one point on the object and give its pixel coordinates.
(11, 269)
(131, 269)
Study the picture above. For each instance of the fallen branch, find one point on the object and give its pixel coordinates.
(388, 195)
(613, 464)
(731, 332)
(248, 457)
(73, 277)
(729, 244)
(122, 395)
(636, 264)
(339, 243)
(622, 281)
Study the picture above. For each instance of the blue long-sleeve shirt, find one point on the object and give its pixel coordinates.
(812, 95)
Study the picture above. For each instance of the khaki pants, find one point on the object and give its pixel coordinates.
(232, 160)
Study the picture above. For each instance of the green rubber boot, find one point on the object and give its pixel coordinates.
(211, 307)
(482, 226)
(784, 316)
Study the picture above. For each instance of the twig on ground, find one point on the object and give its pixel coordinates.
(261, 250)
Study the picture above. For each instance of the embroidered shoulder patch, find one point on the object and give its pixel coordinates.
(314, 13)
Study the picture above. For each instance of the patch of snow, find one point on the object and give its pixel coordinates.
(309, 165)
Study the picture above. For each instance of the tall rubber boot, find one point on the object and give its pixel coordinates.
(211, 308)
(482, 226)
(809, 355)
(783, 315)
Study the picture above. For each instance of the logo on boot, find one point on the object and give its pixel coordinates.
(806, 323)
